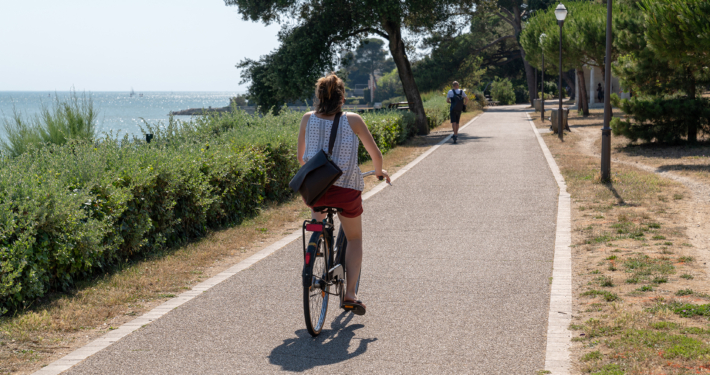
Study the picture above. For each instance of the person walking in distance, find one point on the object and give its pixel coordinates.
(458, 99)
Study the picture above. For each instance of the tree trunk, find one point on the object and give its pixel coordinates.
(692, 125)
(583, 100)
(570, 83)
(529, 72)
(404, 68)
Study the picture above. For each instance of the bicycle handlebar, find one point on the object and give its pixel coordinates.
(372, 173)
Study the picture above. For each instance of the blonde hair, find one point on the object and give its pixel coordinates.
(330, 91)
(456, 83)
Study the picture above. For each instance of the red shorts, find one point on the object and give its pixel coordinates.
(350, 200)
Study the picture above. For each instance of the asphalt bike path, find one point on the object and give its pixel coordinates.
(456, 279)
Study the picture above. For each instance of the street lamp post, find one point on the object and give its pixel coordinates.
(560, 14)
(542, 78)
(606, 131)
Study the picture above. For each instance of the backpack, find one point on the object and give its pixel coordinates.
(457, 101)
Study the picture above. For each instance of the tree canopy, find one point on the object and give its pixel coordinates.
(664, 47)
(368, 57)
(583, 40)
(317, 29)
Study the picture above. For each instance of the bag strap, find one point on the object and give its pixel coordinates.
(334, 133)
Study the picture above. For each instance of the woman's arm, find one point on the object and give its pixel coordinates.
(302, 137)
(357, 124)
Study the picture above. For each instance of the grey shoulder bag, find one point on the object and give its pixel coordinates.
(320, 172)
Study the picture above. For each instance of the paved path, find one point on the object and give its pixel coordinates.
(458, 256)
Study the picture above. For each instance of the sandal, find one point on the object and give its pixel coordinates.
(357, 307)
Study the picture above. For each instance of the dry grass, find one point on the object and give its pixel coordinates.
(632, 263)
(64, 322)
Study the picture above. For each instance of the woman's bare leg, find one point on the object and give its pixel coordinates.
(353, 255)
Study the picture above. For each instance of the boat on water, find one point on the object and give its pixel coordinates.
(133, 93)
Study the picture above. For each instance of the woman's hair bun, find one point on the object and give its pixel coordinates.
(330, 91)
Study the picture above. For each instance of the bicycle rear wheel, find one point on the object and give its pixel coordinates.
(315, 296)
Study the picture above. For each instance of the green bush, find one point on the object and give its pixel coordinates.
(73, 118)
(354, 100)
(476, 100)
(547, 96)
(502, 91)
(437, 110)
(388, 129)
(87, 205)
(660, 119)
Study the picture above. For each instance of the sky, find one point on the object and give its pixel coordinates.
(147, 45)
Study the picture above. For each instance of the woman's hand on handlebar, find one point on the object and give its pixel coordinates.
(383, 175)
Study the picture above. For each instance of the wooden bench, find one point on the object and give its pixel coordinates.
(404, 106)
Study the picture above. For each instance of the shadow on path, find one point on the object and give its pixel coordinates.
(511, 108)
(465, 138)
(684, 167)
(305, 352)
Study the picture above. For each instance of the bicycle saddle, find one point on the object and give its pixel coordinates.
(325, 209)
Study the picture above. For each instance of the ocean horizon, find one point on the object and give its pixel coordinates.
(119, 112)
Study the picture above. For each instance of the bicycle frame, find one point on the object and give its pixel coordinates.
(334, 265)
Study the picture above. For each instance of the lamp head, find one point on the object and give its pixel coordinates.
(542, 37)
(560, 12)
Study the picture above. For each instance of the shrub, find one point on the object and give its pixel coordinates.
(85, 206)
(73, 118)
(502, 91)
(547, 96)
(476, 100)
(660, 119)
(388, 129)
(437, 110)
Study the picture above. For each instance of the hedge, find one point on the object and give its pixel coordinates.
(67, 212)
(660, 119)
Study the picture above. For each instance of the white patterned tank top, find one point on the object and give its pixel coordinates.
(344, 150)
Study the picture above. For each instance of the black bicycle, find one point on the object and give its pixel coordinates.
(324, 272)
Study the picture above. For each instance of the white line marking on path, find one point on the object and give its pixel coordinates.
(104, 341)
(557, 356)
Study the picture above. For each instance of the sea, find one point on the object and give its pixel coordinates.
(119, 112)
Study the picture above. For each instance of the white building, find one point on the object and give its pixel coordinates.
(594, 77)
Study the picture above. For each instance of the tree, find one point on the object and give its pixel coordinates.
(369, 57)
(321, 27)
(460, 57)
(665, 49)
(583, 43)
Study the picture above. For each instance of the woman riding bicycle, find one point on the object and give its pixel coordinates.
(346, 193)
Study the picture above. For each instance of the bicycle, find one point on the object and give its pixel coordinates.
(323, 267)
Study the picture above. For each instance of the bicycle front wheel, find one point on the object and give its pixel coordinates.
(315, 296)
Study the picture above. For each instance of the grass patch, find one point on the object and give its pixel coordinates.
(645, 288)
(688, 310)
(687, 276)
(610, 369)
(592, 356)
(664, 325)
(608, 296)
(644, 265)
(684, 292)
(686, 259)
(659, 280)
(605, 281)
